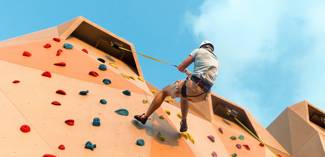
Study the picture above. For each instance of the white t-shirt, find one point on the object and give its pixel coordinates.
(206, 64)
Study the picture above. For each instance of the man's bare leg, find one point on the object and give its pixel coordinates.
(156, 102)
(184, 110)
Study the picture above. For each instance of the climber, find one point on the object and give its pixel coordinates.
(194, 88)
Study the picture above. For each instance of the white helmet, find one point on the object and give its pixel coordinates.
(206, 42)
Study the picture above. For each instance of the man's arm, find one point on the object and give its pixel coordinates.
(181, 67)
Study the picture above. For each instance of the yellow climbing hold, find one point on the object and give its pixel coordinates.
(113, 65)
(179, 115)
(127, 76)
(153, 91)
(144, 101)
(169, 99)
(188, 136)
(167, 112)
(141, 78)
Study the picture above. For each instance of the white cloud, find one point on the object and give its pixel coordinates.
(250, 34)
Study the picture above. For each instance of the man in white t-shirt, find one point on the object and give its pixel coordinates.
(194, 88)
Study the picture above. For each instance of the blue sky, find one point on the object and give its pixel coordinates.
(271, 52)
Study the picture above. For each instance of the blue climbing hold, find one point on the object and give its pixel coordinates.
(140, 142)
(122, 112)
(107, 81)
(96, 121)
(67, 46)
(103, 101)
(90, 145)
(102, 67)
(127, 92)
(84, 92)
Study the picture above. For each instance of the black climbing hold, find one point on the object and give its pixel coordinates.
(103, 101)
(67, 46)
(90, 145)
(107, 81)
(122, 112)
(84, 92)
(101, 60)
(96, 121)
(127, 92)
(140, 142)
(102, 67)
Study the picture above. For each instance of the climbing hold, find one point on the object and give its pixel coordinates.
(179, 115)
(122, 112)
(16, 81)
(85, 50)
(261, 144)
(161, 137)
(62, 64)
(47, 74)
(241, 137)
(113, 65)
(61, 147)
(211, 138)
(246, 147)
(56, 103)
(90, 145)
(70, 122)
(96, 121)
(226, 121)
(93, 73)
(234, 155)
(167, 112)
(187, 136)
(27, 54)
(161, 117)
(238, 146)
(49, 155)
(47, 46)
(278, 155)
(84, 92)
(67, 46)
(103, 101)
(61, 92)
(153, 91)
(127, 92)
(57, 39)
(101, 60)
(220, 130)
(107, 81)
(102, 67)
(58, 52)
(144, 101)
(233, 137)
(141, 78)
(25, 128)
(140, 142)
(214, 154)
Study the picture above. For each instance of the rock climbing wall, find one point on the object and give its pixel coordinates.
(61, 96)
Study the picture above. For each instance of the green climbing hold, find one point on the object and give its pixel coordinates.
(233, 155)
(233, 137)
(127, 92)
(103, 101)
(84, 92)
(67, 46)
(140, 142)
(122, 112)
(241, 137)
(107, 81)
(102, 67)
(161, 137)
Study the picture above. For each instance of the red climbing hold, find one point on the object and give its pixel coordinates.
(47, 46)
(56, 103)
(261, 144)
(58, 52)
(93, 73)
(211, 138)
(60, 91)
(62, 64)
(246, 147)
(238, 146)
(57, 39)
(220, 130)
(27, 54)
(47, 74)
(49, 155)
(69, 122)
(85, 50)
(15, 81)
(25, 128)
(61, 147)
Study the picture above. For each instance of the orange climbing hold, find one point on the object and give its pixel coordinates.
(69, 122)
(47, 74)
(93, 73)
(57, 39)
(85, 50)
(61, 92)
(58, 52)
(25, 128)
(56, 103)
(220, 130)
(62, 64)
(49, 155)
(15, 81)
(27, 54)
(261, 144)
(246, 147)
(47, 46)
(61, 147)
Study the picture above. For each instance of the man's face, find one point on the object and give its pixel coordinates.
(207, 46)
